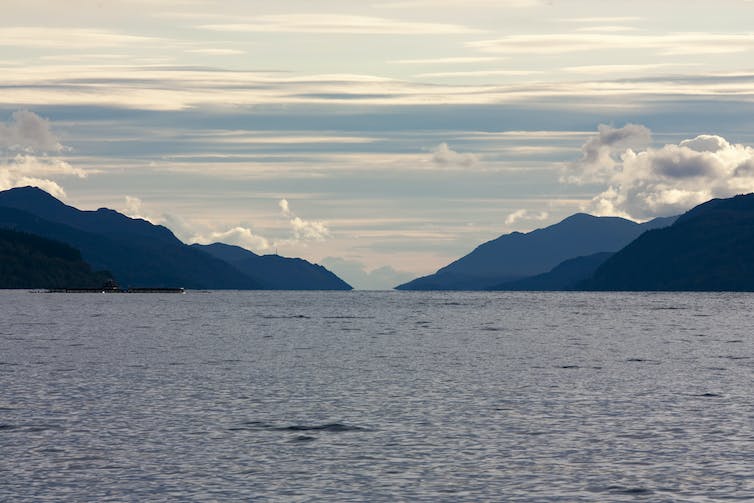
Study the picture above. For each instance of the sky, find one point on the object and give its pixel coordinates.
(383, 138)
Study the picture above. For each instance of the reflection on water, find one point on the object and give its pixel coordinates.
(376, 396)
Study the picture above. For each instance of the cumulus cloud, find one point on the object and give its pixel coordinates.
(190, 232)
(304, 230)
(239, 236)
(26, 142)
(597, 162)
(28, 132)
(9, 180)
(443, 155)
(525, 215)
(664, 181)
(359, 276)
(133, 207)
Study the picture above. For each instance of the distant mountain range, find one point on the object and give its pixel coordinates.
(28, 261)
(282, 272)
(139, 253)
(516, 256)
(45, 243)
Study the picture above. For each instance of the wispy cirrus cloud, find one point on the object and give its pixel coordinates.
(602, 19)
(338, 24)
(216, 51)
(479, 73)
(165, 88)
(71, 38)
(610, 28)
(666, 44)
(623, 69)
(446, 61)
(500, 4)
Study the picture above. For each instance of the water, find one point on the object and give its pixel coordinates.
(390, 396)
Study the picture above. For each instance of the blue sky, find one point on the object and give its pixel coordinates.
(384, 138)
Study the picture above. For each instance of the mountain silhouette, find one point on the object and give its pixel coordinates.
(139, 253)
(519, 255)
(567, 275)
(135, 251)
(29, 261)
(709, 248)
(274, 271)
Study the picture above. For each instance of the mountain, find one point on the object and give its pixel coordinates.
(517, 255)
(28, 261)
(137, 252)
(709, 248)
(274, 271)
(565, 276)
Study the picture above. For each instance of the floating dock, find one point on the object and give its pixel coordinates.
(116, 290)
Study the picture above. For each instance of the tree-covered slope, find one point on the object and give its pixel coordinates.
(28, 261)
(710, 248)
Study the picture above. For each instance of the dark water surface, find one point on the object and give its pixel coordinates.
(376, 397)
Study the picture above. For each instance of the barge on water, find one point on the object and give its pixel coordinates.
(116, 290)
(112, 287)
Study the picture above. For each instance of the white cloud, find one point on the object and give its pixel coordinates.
(191, 232)
(133, 207)
(8, 180)
(443, 155)
(527, 216)
(304, 230)
(29, 165)
(240, 236)
(661, 181)
(285, 207)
